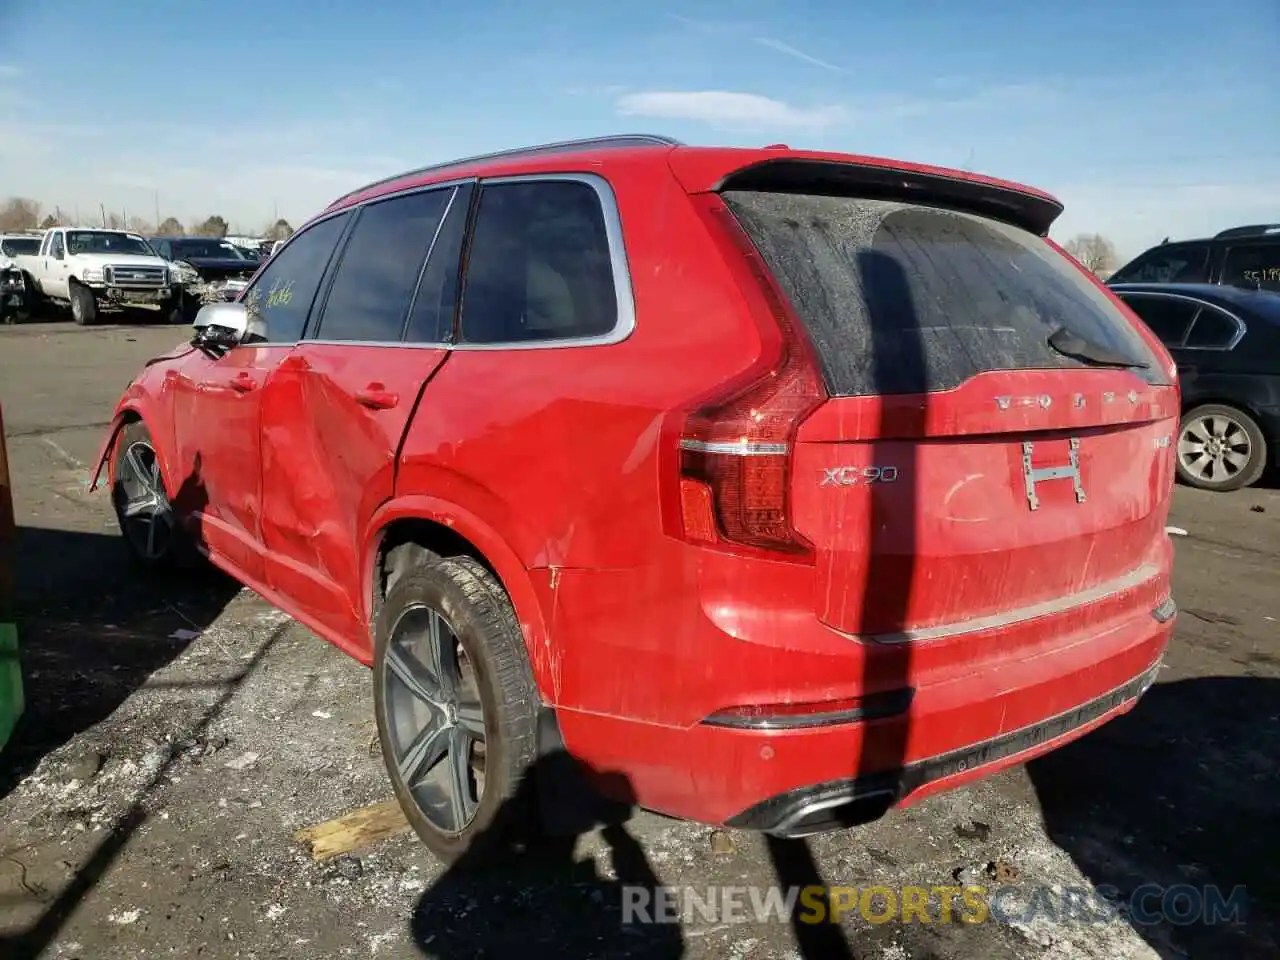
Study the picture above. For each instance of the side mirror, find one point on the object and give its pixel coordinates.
(221, 325)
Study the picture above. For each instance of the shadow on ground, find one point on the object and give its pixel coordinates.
(542, 898)
(1182, 792)
(92, 629)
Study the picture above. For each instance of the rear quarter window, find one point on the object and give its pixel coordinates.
(1253, 265)
(539, 265)
(900, 298)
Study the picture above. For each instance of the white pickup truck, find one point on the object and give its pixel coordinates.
(91, 271)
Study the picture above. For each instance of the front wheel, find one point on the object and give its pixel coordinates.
(456, 706)
(1220, 448)
(146, 515)
(84, 309)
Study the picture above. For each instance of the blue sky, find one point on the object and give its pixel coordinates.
(1147, 118)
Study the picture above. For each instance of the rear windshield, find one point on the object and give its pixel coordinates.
(900, 298)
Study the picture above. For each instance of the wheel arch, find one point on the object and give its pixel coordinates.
(132, 409)
(1217, 399)
(450, 530)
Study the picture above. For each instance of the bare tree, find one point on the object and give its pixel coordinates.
(114, 222)
(215, 226)
(18, 213)
(280, 230)
(1095, 251)
(49, 222)
(170, 227)
(139, 225)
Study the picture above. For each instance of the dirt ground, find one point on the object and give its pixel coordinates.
(180, 732)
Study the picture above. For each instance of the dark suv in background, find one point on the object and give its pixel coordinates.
(1239, 257)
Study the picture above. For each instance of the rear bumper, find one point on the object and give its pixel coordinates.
(962, 724)
(828, 806)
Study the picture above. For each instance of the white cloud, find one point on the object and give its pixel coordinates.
(729, 111)
(8, 71)
(798, 54)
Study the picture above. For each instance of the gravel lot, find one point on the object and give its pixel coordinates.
(180, 733)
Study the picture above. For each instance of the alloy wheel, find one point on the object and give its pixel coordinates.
(1214, 448)
(146, 513)
(435, 718)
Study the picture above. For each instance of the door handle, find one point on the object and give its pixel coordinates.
(376, 397)
(242, 383)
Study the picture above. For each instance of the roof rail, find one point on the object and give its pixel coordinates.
(616, 142)
(1256, 230)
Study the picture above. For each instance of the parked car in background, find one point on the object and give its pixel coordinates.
(22, 248)
(12, 290)
(205, 268)
(730, 472)
(91, 271)
(18, 257)
(1240, 257)
(1226, 343)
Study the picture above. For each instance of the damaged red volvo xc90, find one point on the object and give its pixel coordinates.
(787, 486)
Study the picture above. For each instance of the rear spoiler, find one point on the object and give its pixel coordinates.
(833, 174)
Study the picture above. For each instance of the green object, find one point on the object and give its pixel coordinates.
(11, 704)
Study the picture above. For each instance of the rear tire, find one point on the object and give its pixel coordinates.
(1220, 448)
(456, 707)
(84, 309)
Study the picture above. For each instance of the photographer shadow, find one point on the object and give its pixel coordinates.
(545, 898)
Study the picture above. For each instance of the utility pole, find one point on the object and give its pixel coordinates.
(157, 198)
(103, 210)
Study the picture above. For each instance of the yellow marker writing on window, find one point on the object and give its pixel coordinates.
(280, 294)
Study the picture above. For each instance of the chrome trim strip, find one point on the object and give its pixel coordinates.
(737, 448)
(625, 322)
(1166, 611)
(1034, 611)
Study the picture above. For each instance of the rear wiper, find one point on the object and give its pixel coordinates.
(1073, 345)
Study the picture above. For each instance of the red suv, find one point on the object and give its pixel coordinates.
(788, 485)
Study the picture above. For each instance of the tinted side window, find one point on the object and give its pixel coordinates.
(1258, 264)
(538, 267)
(380, 265)
(1168, 319)
(1172, 264)
(280, 299)
(431, 318)
(57, 246)
(1213, 330)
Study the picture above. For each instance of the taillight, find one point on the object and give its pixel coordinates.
(735, 450)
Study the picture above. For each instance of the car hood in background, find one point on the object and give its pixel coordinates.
(219, 265)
